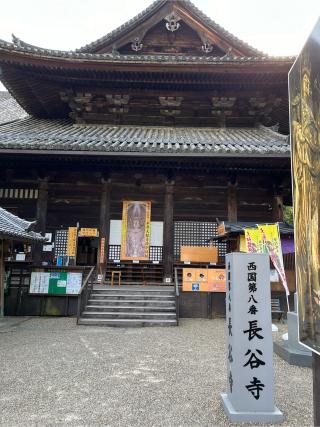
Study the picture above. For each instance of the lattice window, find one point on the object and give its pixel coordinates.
(60, 243)
(155, 252)
(195, 233)
(114, 251)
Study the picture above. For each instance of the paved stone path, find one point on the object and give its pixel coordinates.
(55, 373)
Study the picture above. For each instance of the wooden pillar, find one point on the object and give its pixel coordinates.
(232, 201)
(316, 389)
(104, 228)
(277, 208)
(168, 230)
(41, 218)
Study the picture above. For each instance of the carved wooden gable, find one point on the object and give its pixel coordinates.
(182, 41)
(170, 27)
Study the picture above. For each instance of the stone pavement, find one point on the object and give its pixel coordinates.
(56, 373)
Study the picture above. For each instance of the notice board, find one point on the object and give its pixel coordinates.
(55, 283)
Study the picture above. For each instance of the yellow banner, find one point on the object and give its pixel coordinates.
(88, 232)
(102, 250)
(136, 227)
(271, 239)
(253, 240)
(72, 241)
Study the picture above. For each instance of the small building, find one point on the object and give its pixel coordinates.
(169, 109)
(13, 229)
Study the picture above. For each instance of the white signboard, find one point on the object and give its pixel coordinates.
(250, 396)
(156, 232)
(39, 283)
(74, 281)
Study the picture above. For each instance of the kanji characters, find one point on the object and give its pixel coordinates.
(255, 387)
(253, 330)
(253, 361)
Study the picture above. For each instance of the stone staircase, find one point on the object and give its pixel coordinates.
(130, 306)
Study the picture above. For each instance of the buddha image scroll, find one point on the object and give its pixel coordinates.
(304, 86)
(135, 230)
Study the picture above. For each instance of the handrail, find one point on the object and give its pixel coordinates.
(83, 287)
(177, 294)
(86, 280)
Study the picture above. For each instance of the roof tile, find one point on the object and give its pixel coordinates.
(62, 135)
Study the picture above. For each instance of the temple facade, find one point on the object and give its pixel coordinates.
(169, 109)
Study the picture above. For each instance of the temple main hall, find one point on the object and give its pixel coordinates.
(136, 146)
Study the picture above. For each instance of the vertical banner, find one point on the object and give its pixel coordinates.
(72, 241)
(136, 225)
(253, 240)
(250, 396)
(102, 250)
(304, 93)
(271, 240)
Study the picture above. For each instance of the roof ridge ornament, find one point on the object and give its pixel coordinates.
(229, 54)
(207, 46)
(136, 44)
(172, 23)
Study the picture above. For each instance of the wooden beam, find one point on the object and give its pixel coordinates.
(168, 230)
(232, 201)
(104, 228)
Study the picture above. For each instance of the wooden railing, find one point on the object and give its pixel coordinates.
(85, 292)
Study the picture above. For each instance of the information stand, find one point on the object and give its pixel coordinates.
(55, 283)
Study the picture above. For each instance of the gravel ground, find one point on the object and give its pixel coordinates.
(56, 373)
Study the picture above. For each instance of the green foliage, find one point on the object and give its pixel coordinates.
(288, 214)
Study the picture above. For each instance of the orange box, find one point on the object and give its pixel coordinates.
(216, 280)
(199, 254)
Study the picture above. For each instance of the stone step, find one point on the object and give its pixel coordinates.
(127, 315)
(130, 292)
(133, 302)
(133, 323)
(132, 296)
(134, 308)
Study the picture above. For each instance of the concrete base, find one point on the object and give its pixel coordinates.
(293, 356)
(246, 417)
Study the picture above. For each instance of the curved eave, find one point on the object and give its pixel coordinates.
(74, 60)
(81, 153)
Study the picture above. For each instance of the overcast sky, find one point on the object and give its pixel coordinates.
(277, 27)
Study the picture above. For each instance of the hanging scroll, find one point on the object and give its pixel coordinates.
(135, 242)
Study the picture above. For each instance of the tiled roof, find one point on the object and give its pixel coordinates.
(62, 135)
(239, 226)
(35, 51)
(13, 227)
(9, 108)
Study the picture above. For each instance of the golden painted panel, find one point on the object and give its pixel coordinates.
(304, 88)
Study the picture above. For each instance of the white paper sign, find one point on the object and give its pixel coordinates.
(34, 283)
(74, 281)
(39, 283)
(21, 257)
(249, 339)
(48, 236)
